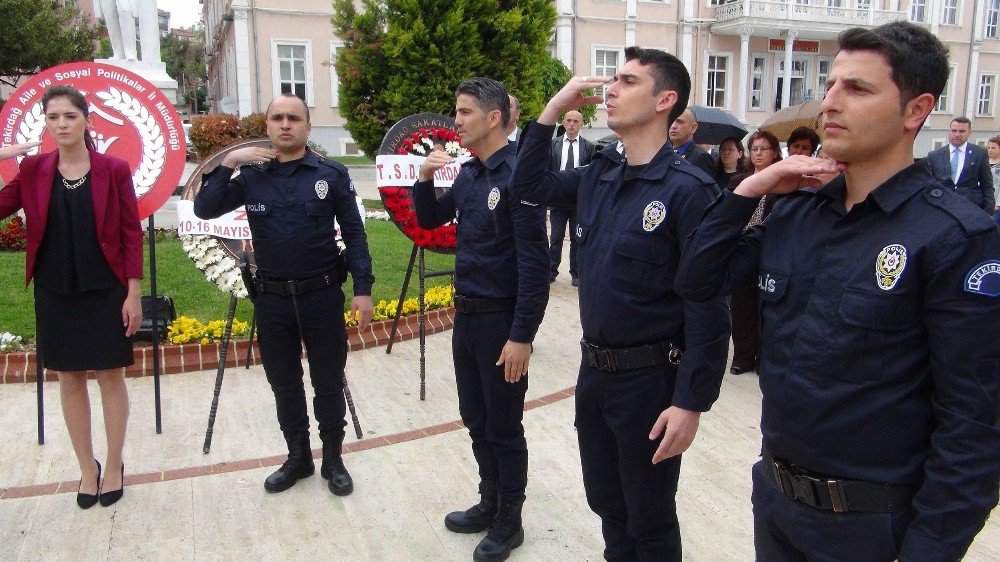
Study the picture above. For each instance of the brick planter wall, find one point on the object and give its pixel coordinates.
(20, 367)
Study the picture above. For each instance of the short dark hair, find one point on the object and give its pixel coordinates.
(962, 119)
(995, 140)
(76, 98)
(741, 163)
(919, 61)
(288, 95)
(771, 140)
(804, 133)
(669, 73)
(490, 95)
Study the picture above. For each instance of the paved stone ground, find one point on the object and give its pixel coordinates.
(412, 467)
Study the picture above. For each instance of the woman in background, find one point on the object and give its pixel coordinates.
(732, 161)
(84, 253)
(993, 151)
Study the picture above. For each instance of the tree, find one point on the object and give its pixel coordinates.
(407, 56)
(185, 61)
(42, 33)
(554, 77)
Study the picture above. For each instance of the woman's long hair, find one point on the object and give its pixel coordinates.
(741, 162)
(76, 98)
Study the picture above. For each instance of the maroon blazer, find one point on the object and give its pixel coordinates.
(116, 213)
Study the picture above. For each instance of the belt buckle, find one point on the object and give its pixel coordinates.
(674, 355)
(803, 490)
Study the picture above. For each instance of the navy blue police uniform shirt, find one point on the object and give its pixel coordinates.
(880, 359)
(291, 207)
(629, 236)
(502, 248)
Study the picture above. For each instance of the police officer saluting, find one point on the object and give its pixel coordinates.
(879, 298)
(652, 361)
(292, 197)
(501, 289)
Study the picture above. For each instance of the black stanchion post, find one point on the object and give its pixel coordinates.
(156, 327)
(253, 328)
(40, 390)
(423, 334)
(402, 297)
(223, 353)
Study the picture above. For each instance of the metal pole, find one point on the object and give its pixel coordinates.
(39, 389)
(156, 327)
(223, 353)
(402, 297)
(253, 328)
(421, 320)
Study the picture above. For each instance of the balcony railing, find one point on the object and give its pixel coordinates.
(784, 10)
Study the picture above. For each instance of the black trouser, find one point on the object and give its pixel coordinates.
(491, 407)
(321, 313)
(785, 530)
(634, 497)
(558, 218)
(743, 309)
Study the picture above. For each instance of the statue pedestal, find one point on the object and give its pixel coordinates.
(155, 72)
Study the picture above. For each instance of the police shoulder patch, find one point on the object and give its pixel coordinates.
(889, 266)
(984, 279)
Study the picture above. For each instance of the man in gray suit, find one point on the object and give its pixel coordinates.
(964, 166)
(682, 137)
(568, 151)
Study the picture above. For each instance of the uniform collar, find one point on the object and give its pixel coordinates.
(495, 159)
(888, 196)
(310, 159)
(655, 169)
(685, 146)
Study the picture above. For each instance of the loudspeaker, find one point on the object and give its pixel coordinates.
(165, 314)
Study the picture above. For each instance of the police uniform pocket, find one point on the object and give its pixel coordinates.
(641, 265)
(874, 311)
(260, 216)
(771, 285)
(874, 326)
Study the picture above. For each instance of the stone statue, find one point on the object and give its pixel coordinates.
(120, 16)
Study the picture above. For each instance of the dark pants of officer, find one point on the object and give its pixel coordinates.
(788, 530)
(321, 313)
(558, 218)
(491, 407)
(743, 309)
(634, 497)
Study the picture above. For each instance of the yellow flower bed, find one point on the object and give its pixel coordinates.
(190, 330)
(436, 297)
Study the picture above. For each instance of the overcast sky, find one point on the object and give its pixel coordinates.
(183, 13)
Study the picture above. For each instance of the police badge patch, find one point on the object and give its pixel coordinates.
(494, 198)
(984, 279)
(322, 188)
(653, 215)
(889, 266)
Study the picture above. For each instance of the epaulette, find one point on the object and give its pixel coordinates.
(333, 164)
(678, 163)
(972, 219)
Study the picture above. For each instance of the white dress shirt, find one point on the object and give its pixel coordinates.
(565, 149)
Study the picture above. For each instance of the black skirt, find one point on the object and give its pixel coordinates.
(82, 332)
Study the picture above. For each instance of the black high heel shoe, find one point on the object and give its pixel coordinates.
(87, 501)
(109, 498)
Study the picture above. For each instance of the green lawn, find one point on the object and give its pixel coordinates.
(353, 160)
(193, 295)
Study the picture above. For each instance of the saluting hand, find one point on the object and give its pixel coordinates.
(17, 149)
(788, 175)
(514, 357)
(572, 97)
(361, 308)
(678, 427)
(434, 162)
(247, 155)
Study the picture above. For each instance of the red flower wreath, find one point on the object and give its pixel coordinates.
(398, 201)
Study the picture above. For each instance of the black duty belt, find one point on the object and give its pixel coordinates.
(834, 494)
(623, 358)
(295, 287)
(481, 306)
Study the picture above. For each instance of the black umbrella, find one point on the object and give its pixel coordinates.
(715, 125)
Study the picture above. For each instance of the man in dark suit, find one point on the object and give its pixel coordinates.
(964, 166)
(568, 151)
(682, 137)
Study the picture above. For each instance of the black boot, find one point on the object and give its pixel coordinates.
(299, 465)
(478, 517)
(333, 468)
(505, 534)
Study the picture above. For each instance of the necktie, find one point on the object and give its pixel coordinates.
(954, 165)
(569, 156)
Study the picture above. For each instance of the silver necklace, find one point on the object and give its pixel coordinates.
(75, 184)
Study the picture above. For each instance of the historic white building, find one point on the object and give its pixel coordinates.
(746, 56)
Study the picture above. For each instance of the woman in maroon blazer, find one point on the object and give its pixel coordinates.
(85, 255)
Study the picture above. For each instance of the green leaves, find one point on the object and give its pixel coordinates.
(42, 33)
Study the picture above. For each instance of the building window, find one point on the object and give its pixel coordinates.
(949, 12)
(822, 75)
(918, 9)
(334, 78)
(987, 90)
(834, 3)
(992, 18)
(944, 100)
(757, 82)
(864, 4)
(606, 63)
(292, 70)
(718, 66)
